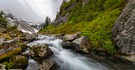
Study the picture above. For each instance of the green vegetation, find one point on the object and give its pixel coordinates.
(16, 62)
(2, 20)
(10, 53)
(95, 20)
(9, 65)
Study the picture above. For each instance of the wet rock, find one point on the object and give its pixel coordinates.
(19, 61)
(124, 30)
(101, 51)
(48, 65)
(71, 37)
(40, 52)
(82, 44)
(129, 58)
(28, 37)
(66, 44)
(2, 67)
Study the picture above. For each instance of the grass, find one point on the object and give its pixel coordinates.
(95, 20)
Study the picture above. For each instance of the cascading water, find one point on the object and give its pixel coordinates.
(66, 59)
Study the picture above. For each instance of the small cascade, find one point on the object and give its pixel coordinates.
(66, 59)
(32, 65)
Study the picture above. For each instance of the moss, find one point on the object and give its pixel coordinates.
(36, 50)
(23, 46)
(9, 65)
(16, 62)
(10, 53)
(95, 20)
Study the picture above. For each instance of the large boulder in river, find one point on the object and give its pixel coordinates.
(81, 44)
(40, 52)
(18, 61)
(71, 37)
(66, 44)
(124, 30)
(48, 65)
(28, 37)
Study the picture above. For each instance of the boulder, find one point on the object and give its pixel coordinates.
(2, 67)
(40, 52)
(129, 58)
(81, 44)
(124, 30)
(28, 37)
(66, 44)
(48, 65)
(8, 48)
(19, 61)
(71, 37)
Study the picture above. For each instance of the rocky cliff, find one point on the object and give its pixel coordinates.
(124, 30)
(93, 18)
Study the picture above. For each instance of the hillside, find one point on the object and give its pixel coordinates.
(94, 18)
(86, 35)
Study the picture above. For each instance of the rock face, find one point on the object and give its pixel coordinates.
(40, 52)
(124, 29)
(62, 16)
(25, 27)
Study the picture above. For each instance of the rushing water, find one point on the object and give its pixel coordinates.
(66, 59)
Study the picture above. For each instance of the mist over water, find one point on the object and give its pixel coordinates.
(31, 10)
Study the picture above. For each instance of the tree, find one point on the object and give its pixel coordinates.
(2, 20)
(47, 21)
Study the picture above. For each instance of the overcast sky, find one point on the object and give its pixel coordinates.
(31, 10)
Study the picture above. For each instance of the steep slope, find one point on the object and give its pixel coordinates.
(13, 41)
(94, 18)
(124, 31)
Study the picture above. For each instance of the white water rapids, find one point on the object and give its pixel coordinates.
(65, 58)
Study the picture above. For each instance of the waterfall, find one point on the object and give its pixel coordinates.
(65, 58)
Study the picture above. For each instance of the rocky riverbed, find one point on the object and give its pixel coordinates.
(35, 53)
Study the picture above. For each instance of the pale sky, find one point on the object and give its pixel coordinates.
(31, 10)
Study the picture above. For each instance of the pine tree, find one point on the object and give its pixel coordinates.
(47, 21)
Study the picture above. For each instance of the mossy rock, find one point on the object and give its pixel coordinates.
(40, 52)
(10, 53)
(18, 62)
